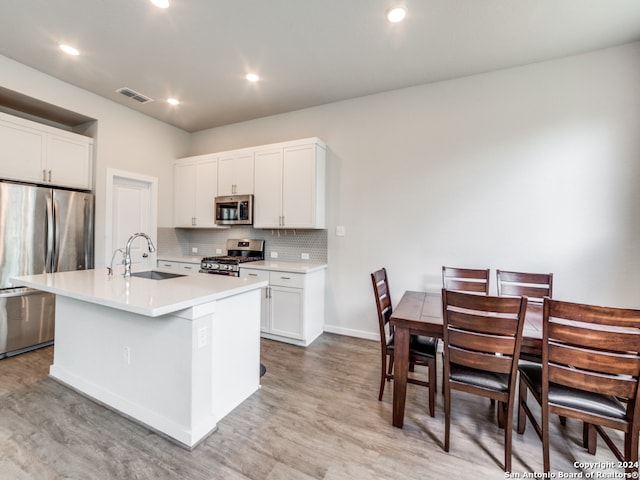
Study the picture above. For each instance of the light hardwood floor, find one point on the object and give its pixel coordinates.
(316, 417)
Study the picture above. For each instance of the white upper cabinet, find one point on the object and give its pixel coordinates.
(32, 152)
(267, 201)
(235, 173)
(287, 180)
(69, 161)
(290, 185)
(195, 188)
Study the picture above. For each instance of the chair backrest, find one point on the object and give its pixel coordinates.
(535, 286)
(383, 301)
(591, 348)
(478, 327)
(470, 280)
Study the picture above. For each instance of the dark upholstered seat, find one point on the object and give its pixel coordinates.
(480, 378)
(422, 349)
(606, 405)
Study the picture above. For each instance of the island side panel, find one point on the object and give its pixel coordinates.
(145, 367)
(236, 351)
(178, 374)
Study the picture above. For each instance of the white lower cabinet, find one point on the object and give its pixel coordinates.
(292, 305)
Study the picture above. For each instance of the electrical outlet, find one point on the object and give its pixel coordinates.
(218, 251)
(340, 231)
(194, 249)
(202, 337)
(126, 354)
(274, 254)
(304, 256)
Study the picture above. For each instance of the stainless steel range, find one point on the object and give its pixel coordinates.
(238, 251)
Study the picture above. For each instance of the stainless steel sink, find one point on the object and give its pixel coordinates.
(156, 275)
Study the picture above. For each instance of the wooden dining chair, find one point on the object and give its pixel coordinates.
(590, 371)
(482, 339)
(422, 349)
(535, 286)
(469, 280)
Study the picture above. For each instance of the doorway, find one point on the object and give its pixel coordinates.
(131, 206)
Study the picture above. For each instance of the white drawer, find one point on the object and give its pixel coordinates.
(257, 274)
(167, 265)
(286, 279)
(190, 267)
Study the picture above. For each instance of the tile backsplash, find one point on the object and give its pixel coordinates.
(289, 244)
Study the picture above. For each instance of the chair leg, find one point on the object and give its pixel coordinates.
(383, 375)
(508, 434)
(432, 386)
(589, 437)
(447, 414)
(522, 415)
(631, 452)
(502, 407)
(545, 438)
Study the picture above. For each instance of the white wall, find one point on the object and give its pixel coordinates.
(533, 168)
(126, 139)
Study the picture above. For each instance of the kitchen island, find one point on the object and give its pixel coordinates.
(176, 354)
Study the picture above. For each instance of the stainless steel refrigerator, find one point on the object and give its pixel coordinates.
(42, 230)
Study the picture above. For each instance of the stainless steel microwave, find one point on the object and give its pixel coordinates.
(234, 210)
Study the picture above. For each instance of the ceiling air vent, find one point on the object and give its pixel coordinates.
(133, 95)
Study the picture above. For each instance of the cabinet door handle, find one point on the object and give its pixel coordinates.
(49, 175)
(193, 221)
(252, 274)
(187, 268)
(44, 175)
(285, 278)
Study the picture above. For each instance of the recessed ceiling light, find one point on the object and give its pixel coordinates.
(161, 3)
(252, 77)
(396, 14)
(68, 49)
(173, 101)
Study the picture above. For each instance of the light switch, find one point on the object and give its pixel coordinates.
(340, 231)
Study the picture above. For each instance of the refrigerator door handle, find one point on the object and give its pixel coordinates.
(56, 237)
(49, 228)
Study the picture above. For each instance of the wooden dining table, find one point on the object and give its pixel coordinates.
(420, 313)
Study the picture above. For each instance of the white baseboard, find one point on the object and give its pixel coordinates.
(352, 333)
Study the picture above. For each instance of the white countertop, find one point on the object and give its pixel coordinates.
(140, 295)
(291, 267)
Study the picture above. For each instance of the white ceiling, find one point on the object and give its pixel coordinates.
(307, 52)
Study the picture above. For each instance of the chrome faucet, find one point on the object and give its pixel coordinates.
(127, 251)
(113, 257)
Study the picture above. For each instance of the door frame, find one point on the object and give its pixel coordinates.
(112, 174)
